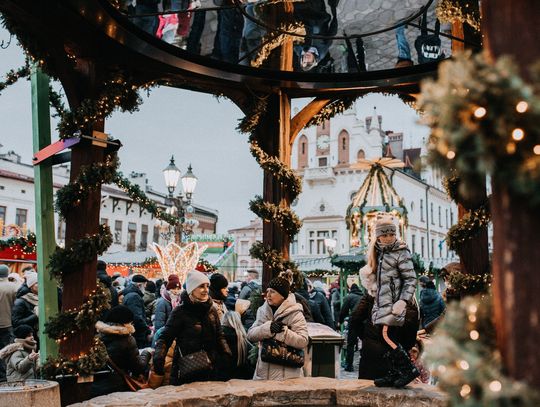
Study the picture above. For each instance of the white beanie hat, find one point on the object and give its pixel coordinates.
(194, 279)
(31, 279)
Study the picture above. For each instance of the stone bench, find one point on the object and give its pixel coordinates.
(308, 391)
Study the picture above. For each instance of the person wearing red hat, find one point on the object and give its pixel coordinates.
(169, 299)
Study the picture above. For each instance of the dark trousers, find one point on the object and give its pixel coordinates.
(6, 337)
(352, 340)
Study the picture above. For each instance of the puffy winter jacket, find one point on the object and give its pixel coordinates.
(248, 288)
(133, 299)
(195, 327)
(23, 311)
(349, 303)
(294, 334)
(122, 349)
(320, 299)
(431, 306)
(396, 280)
(163, 310)
(18, 365)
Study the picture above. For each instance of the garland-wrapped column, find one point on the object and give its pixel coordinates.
(273, 137)
(516, 223)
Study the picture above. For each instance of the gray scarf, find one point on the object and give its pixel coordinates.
(31, 298)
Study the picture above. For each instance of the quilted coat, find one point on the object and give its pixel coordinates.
(294, 334)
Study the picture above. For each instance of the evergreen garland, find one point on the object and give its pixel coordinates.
(86, 364)
(276, 38)
(331, 109)
(14, 75)
(84, 317)
(451, 11)
(248, 124)
(26, 243)
(55, 100)
(485, 119)
(466, 361)
(468, 227)
(68, 260)
(285, 217)
(271, 257)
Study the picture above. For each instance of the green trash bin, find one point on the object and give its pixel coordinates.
(324, 350)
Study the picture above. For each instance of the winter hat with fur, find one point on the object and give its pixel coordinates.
(194, 279)
(281, 285)
(385, 226)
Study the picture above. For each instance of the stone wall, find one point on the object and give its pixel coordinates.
(309, 391)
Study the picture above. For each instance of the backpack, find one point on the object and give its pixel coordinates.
(428, 46)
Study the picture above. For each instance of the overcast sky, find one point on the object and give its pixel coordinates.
(195, 127)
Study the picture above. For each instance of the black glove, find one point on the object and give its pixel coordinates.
(276, 327)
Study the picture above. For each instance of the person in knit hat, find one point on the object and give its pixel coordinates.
(195, 327)
(392, 280)
(169, 299)
(21, 357)
(218, 292)
(282, 318)
(116, 331)
(25, 308)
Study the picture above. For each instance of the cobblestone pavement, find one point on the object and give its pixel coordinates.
(351, 375)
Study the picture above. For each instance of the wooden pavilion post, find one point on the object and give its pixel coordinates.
(516, 282)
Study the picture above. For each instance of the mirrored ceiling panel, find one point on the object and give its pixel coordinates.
(329, 36)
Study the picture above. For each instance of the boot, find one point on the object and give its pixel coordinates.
(391, 376)
(405, 368)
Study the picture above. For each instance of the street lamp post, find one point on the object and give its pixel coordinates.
(180, 205)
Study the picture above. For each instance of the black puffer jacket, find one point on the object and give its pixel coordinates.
(372, 363)
(320, 300)
(122, 349)
(350, 302)
(314, 308)
(195, 327)
(22, 312)
(133, 299)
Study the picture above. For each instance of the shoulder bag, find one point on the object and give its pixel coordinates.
(279, 353)
(132, 383)
(193, 364)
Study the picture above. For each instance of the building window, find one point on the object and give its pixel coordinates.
(316, 242)
(20, 217)
(432, 248)
(61, 232)
(446, 217)
(431, 214)
(451, 217)
(104, 221)
(413, 241)
(294, 245)
(440, 248)
(144, 237)
(412, 206)
(155, 237)
(323, 161)
(132, 230)
(302, 152)
(440, 216)
(422, 244)
(118, 231)
(422, 211)
(3, 214)
(243, 265)
(360, 155)
(343, 154)
(244, 247)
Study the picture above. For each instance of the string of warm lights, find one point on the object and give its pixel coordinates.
(24, 244)
(485, 118)
(331, 109)
(277, 38)
(463, 11)
(468, 227)
(70, 321)
(14, 75)
(288, 221)
(466, 362)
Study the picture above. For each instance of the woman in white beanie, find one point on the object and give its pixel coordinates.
(196, 327)
(25, 308)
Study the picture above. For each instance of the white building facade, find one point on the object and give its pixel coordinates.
(324, 156)
(244, 238)
(133, 228)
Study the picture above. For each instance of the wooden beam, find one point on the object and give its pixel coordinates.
(512, 28)
(300, 120)
(44, 207)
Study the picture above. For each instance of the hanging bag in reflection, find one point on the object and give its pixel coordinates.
(428, 46)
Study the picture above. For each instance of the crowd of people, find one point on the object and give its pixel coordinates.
(164, 332)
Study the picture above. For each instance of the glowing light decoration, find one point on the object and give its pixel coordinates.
(174, 259)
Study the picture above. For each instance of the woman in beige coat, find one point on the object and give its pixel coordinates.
(282, 318)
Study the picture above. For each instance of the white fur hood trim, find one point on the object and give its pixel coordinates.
(368, 280)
